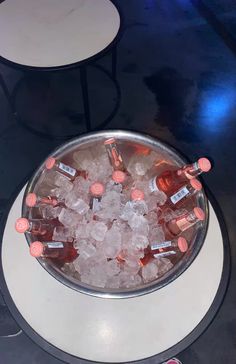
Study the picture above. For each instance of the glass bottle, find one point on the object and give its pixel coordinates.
(54, 250)
(183, 222)
(32, 200)
(34, 226)
(169, 181)
(136, 195)
(179, 197)
(96, 191)
(164, 249)
(114, 155)
(66, 170)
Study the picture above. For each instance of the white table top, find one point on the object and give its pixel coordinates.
(52, 33)
(111, 330)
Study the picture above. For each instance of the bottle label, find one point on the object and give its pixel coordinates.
(69, 170)
(55, 245)
(164, 254)
(179, 195)
(152, 185)
(164, 244)
(96, 206)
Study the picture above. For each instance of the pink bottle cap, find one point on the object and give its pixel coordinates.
(22, 225)
(109, 141)
(200, 214)
(31, 199)
(50, 162)
(36, 249)
(118, 176)
(195, 184)
(182, 244)
(173, 361)
(97, 189)
(204, 164)
(137, 195)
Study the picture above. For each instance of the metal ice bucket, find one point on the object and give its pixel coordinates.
(126, 140)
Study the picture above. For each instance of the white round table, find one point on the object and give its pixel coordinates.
(55, 33)
(73, 326)
(51, 35)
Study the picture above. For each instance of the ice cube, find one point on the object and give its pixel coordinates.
(149, 272)
(69, 218)
(81, 231)
(98, 231)
(156, 235)
(127, 212)
(61, 233)
(63, 182)
(86, 250)
(110, 205)
(132, 264)
(98, 277)
(76, 204)
(152, 218)
(112, 268)
(113, 282)
(163, 265)
(140, 207)
(82, 159)
(160, 197)
(50, 212)
(140, 164)
(139, 241)
(139, 224)
(128, 280)
(81, 188)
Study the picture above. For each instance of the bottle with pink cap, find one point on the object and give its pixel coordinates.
(165, 249)
(68, 171)
(136, 195)
(35, 226)
(183, 222)
(170, 181)
(123, 179)
(59, 250)
(179, 197)
(114, 154)
(96, 191)
(32, 200)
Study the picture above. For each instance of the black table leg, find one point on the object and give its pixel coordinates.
(7, 95)
(114, 62)
(84, 86)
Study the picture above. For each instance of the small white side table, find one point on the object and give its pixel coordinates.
(52, 35)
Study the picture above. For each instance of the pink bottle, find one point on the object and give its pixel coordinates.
(179, 197)
(176, 226)
(122, 178)
(114, 154)
(32, 200)
(96, 191)
(35, 226)
(66, 170)
(164, 249)
(169, 181)
(55, 250)
(137, 195)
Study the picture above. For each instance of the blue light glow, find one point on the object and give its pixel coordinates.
(216, 105)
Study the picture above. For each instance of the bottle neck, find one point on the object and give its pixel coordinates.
(190, 170)
(184, 222)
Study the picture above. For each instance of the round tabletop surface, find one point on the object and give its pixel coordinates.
(55, 33)
(71, 325)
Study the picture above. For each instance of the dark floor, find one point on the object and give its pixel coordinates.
(177, 73)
